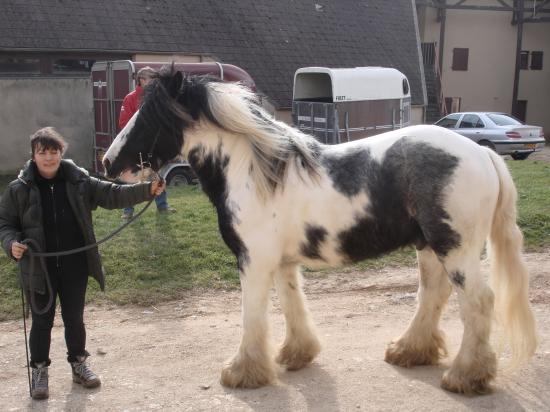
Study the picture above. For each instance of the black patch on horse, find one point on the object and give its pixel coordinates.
(457, 277)
(349, 170)
(210, 169)
(315, 236)
(405, 191)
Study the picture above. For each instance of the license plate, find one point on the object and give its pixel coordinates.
(531, 146)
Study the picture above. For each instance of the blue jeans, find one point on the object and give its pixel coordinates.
(161, 201)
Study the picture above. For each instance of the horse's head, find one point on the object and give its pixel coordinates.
(154, 135)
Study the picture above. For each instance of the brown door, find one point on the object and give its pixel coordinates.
(520, 110)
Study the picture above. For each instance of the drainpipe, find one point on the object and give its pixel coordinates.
(442, 16)
(519, 19)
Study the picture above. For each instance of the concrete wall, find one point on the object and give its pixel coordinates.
(487, 85)
(28, 104)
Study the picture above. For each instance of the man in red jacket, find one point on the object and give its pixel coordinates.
(130, 105)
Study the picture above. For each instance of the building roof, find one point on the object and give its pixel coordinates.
(270, 39)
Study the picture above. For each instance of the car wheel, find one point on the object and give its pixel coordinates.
(520, 156)
(179, 177)
(487, 143)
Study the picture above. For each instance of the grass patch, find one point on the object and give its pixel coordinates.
(532, 180)
(158, 257)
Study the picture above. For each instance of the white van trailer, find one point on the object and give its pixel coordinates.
(339, 105)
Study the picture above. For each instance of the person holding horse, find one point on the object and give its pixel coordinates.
(50, 205)
(130, 106)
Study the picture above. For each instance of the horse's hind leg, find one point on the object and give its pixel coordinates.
(301, 344)
(475, 364)
(422, 343)
(253, 365)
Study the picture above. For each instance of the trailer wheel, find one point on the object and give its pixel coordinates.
(180, 177)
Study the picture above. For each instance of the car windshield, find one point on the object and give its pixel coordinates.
(449, 121)
(502, 119)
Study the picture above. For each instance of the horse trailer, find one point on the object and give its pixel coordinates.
(113, 80)
(340, 105)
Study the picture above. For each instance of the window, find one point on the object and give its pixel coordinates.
(49, 64)
(524, 60)
(536, 60)
(460, 59)
(72, 65)
(502, 119)
(449, 122)
(10, 65)
(471, 121)
(452, 104)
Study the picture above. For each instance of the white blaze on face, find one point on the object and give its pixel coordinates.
(120, 140)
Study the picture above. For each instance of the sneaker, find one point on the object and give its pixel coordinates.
(83, 375)
(167, 210)
(39, 383)
(127, 216)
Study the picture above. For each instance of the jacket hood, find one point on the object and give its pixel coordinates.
(72, 172)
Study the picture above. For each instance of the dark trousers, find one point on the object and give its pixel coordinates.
(71, 289)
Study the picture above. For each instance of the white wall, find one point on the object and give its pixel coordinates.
(32, 103)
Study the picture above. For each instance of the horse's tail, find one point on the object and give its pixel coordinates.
(509, 277)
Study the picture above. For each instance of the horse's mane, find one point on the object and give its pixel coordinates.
(274, 144)
(234, 108)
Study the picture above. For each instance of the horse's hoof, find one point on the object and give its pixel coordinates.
(479, 385)
(296, 357)
(474, 378)
(244, 373)
(401, 353)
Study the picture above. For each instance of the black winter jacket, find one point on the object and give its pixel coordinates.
(21, 212)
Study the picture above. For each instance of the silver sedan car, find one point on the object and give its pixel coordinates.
(499, 131)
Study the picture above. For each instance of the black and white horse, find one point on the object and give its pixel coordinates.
(284, 200)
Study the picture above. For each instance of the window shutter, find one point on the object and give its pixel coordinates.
(524, 60)
(460, 59)
(536, 60)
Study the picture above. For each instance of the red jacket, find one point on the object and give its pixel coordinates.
(130, 105)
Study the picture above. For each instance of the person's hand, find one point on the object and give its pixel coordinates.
(17, 250)
(157, 187)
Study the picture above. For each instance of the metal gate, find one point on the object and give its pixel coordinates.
(111, 82)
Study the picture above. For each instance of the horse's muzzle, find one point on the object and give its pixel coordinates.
(106, 166)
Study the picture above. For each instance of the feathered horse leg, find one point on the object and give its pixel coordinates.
(253, 365)
(301, 345)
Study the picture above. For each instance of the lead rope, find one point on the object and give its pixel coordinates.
(37, 253)
(26, 344)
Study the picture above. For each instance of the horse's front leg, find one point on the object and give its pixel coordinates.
(253, 365)
(301, 344)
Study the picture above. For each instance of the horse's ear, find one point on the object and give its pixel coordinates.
(176, 83)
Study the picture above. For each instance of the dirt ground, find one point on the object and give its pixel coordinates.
(169, 357)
